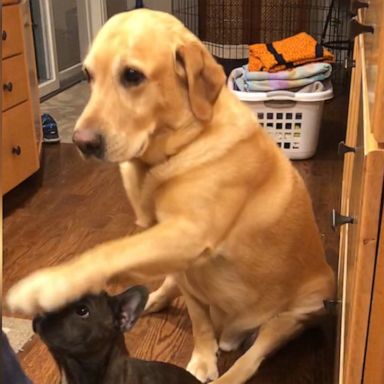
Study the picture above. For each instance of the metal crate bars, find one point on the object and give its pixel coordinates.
(229, 26)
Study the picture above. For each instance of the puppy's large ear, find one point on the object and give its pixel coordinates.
(129, 305)
(205, 78)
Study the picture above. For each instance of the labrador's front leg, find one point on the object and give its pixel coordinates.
(154, 253)
(163, 296)
(132, 175)
(203, 363)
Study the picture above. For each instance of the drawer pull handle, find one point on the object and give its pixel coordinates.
(356, 5)
(16, 150)
(355, 29)
(338, 220)
(8, 86)
(344, 148)
(4, 35)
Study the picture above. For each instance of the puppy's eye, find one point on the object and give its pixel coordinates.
(82, 311)
(87, 75)
(131, 76)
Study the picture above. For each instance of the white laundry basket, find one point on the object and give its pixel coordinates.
(292, 118)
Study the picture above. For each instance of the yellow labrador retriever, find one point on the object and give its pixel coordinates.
(230, 222)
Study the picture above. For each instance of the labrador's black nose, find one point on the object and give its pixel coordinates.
(89, 142)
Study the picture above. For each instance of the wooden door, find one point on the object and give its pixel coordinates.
(374, 360)
(362, 194)
(348, 208)
(374, 60)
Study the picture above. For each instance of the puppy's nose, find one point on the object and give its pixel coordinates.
(89, 142)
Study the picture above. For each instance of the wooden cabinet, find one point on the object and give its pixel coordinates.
(361, 281)
(21, 139)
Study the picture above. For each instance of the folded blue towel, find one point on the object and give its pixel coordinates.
(296, 78)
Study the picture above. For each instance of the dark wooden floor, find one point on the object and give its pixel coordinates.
(71, 205)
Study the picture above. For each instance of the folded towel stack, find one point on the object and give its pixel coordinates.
(290, 63)
(287, 53)
(289, 79)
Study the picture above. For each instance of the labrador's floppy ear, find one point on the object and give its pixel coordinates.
(129, 305)
(205, 78)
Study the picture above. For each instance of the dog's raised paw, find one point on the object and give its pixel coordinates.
(204, 369)
(27, 295)
(43, 291)
(19, 298)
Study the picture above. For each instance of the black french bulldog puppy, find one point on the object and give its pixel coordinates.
(86, 339)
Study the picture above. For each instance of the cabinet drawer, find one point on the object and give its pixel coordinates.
(12, 41)
(19, 149)
(15, 81)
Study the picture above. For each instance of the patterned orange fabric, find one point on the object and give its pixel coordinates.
(287, 53)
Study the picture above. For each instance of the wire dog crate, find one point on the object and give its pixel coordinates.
(227, 27)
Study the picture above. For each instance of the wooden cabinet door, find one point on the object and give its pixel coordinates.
(29, 54)
(374, 61)
(374, 360)
(348, 208)
(362, 193)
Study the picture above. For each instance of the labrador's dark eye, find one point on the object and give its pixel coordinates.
(131, 77)
(87, 75)
(82, 311)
